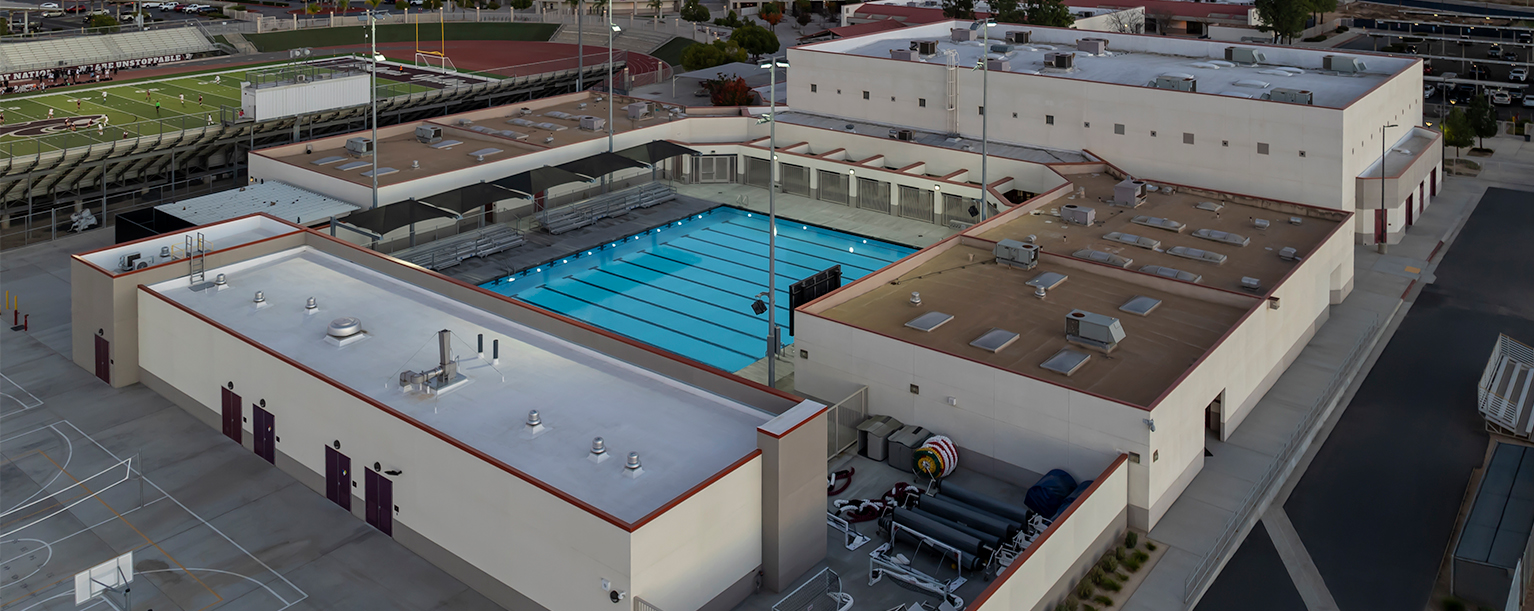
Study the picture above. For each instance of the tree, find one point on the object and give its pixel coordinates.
(575, 5)
(1457, 131)
(1053, 13)
(342, 6)
(1008, 11)
(1127, 22)
(728, 91)
(804, 18)
(708, 55)
(312, 8)
(1319, 8)
(755, 39)
(729, 20)
(401, 5)
(1285, 19)
(959, 9)
(695, 12)
(658, 6)
(771, 13)
(1483, 119)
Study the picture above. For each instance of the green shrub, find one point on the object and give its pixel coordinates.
(1096, 574)
(1132, 564)
(1084, 589)
(1317, 38)
(1069, 604)
(1150, 546)
(1139, 556)
(1118, 553)
(1110, 584)
(1453, 604)
(1341, 29)
(1086, 607)
(1109, 564)
(1121, 576)
(1132, 540)
(1103, 600)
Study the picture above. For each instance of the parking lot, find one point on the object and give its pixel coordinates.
(1466, 59)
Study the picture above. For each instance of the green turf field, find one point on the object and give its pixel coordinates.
(671, 52)
(131, 107)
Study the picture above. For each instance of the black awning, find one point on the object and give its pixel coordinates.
(654, 151)
(383, 219)
(471, 197)
(601, 164)
(535, 181)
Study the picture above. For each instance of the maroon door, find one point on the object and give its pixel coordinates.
(1379, 226)
(1433, 180)
(1409, 209)
(379, 498)
(338, 478)
(103, 359)
(265, 431)
(232, 417)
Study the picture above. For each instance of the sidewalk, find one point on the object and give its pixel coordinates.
(1308, 392)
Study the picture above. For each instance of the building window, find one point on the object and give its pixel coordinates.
(1118, 128)
(865, 95)
(1086, 124)
(1049, 119)
(892, 98)
(1302, 153)
(922, 102)
(812, 88)
(1187, 138)
(1014, 115)
(1225, 143)
(982, 110)
(1262, 148)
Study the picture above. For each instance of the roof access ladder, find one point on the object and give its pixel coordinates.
(1505, 395)
(197, 256)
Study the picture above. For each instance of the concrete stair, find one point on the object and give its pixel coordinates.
(239, 43)
(640, 38)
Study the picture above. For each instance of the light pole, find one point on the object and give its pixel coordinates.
(612, 29)
(772, 65)
(1384, 238)
(580, 50)
(373, 94)
(985, 114)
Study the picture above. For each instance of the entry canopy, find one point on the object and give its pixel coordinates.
(601, 164)
(383, 219)
(535, 181)
(468, 198)
(656, 150)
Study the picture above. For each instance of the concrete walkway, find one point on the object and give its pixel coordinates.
(1320, 379)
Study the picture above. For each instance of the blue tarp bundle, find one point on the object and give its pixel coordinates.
(1080, 490)
(1048, 495)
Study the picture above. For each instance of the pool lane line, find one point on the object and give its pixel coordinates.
(647, 322)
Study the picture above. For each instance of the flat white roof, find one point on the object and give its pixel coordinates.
(1137, 60)
(214, 237)
(683, 435)
(278, 199)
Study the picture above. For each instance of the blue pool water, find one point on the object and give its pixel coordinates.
(687, 286)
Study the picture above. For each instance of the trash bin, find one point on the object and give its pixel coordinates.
(903, 445)
(873, 436)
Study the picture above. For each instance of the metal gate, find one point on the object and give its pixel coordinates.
(758, 172)
(956, 208)
(833, 187)
(916, 204)
(796, 179)
(715, 168)
(874, 195)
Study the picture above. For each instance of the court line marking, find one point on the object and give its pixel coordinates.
(69, 446)
(34, 571)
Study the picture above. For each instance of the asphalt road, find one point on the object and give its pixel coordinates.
(1376, 507)
(1253, 580)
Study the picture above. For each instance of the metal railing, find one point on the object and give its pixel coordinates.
(1493, 406)
(822, 591)
(1282, 464)
(641, 604)
(842, 422)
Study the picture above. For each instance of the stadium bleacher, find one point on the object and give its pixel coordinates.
(86, 50)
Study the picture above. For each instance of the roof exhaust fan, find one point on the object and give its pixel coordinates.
(1095, 331)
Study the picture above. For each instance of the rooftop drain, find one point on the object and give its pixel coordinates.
(1140, 305)
(1172, 272)
(1066, 361)
(995, 340)
(633, 468)
(929, 321)
(598, 451)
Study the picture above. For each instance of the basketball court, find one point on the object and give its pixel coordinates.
(80, 523)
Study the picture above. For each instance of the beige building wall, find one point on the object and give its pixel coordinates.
(692, 554)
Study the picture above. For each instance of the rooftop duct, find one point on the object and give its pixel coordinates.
(1288, 253)
(1093, 330)
(1016, 254)
(1244, 55)
(439, 379)
(428, 134)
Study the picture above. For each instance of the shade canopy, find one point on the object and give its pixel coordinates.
(383, 219)
(601, 164)
(654, 151)
(474, 196)
(538, 180)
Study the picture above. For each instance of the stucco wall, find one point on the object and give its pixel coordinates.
(691, 553)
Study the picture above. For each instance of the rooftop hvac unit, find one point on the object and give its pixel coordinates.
(1295, 96)
(1342, 64)
(1078, 215)
(1177, 82)
(1244, 55)
(962, 34)
(591, 124)
(908, 55)
(1001, 64)
(1092, 46)
(1001, 47)
(1129, 193)
(638, 110)
(359, 147)
(903, 134)
(1063, 61)
(1093, 330)
(428, 134)
(924, 47)
(1019, 37)
(1017, 254)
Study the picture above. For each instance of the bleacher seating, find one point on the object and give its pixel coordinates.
(447, 252)
(639, 38)
(84, 50)
(581, 214)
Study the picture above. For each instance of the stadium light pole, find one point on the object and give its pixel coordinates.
(984, 65)
(373, 94)
(580, 49)
(772, 65)
(612, 29)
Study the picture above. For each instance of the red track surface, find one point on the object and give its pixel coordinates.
(508, 58)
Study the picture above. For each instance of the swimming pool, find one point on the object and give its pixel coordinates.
(687, 286)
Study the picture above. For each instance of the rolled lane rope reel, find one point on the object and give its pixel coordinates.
(937, 458)
(839, 481)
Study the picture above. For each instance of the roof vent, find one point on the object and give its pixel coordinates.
(1016, 254)
(1140, 305)
(1102, 257)
(1197, 254)
(1066, 361)
(915, 298)
(260, 300)
(1260, 223)
(1173, 273)
(633, 468)
(1093, 330)
(220, 282)
(343, 331)
(598, 451)
(1176, 82)
(929, 321)
(534, 425)
(1079, 215)
(994, 340)
(1129, 193)
(1244, 55)
(1288, 253)
(311, 306)
(1133, 240)
(1159, 223)
(1251, 284)
(1047, 280)
(1222, 236)
(1294, 220)
(1040, 292)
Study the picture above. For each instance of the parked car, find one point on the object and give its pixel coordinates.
(1519, 74)
(78, 8)
(52, 13)
(48, 5)
(1528, 101)
(1427, 67)
(1479, 72)
(1427, 91)
(1494, 52)
(1464, 40)
(1501, 98)
(1517, 95)
(168, 6)
(1526, 37)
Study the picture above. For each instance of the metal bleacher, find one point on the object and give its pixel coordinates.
(83, 50)
(447, 252)
(575, 216)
